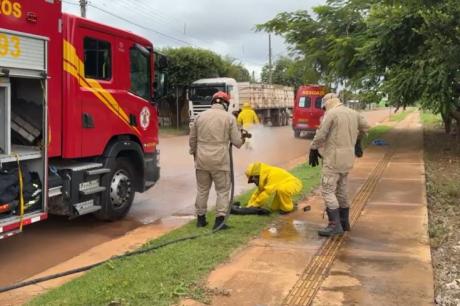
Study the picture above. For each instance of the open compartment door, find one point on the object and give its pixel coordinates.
(23, 130)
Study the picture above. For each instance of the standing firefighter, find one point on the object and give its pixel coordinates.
(339, 138)
(247, 117)
(210, 137)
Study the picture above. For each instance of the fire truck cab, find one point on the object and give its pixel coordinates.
(78, 121)
(307, 111)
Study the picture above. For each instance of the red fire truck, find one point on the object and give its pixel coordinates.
(78, 122)
(307, 111)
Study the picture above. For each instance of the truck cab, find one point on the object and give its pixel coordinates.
(307, 111)
(201, 92)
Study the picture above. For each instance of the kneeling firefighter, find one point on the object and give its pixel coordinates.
(339, 138)
(210, 137)
(272, 180)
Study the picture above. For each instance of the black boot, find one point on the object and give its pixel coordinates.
(344, 212)
(201, 221)
(334, 227)
(220, 220)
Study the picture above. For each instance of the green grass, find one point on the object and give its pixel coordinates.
(164, 276)
(166, 131)
(375, 133)
(429, 118)
(401, 115)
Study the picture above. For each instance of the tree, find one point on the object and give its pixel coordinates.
(407, 50)
(235, 70)
(290, 72)
(187, 65)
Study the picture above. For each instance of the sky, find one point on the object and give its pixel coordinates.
(225, 27)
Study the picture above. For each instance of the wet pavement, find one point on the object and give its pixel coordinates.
(46, 244)
(384, 260)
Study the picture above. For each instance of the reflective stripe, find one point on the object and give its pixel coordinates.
(15, 225)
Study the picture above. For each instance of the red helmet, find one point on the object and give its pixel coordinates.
(220, 96)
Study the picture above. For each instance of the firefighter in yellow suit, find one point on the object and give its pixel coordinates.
(246, 119)
(247, 116)
(272, 180)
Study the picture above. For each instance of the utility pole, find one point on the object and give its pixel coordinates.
(83, 4)
(270, 68)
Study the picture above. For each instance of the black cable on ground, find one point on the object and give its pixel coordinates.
(138, 252)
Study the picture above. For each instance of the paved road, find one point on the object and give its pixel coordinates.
(46, 244)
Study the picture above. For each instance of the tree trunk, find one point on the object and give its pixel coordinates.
(458, 131)
(447, 120)
(456, 116)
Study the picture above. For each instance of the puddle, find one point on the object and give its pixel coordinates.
(290, 230)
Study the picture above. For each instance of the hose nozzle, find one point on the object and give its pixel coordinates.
(245, 134)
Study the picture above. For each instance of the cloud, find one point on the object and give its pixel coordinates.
(225, 27)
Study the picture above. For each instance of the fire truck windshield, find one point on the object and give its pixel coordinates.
(202, 93)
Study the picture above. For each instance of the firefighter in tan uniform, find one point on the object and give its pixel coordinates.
(210, 136)
(338, 137)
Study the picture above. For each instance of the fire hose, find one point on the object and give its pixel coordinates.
(38, 280)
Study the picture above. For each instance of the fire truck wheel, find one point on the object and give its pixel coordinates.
(120, 191)
(296, 133)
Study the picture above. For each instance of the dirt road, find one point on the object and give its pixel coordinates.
(46, 244)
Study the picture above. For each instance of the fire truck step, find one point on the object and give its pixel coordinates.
(86, 207)
(92, 190)
(97, 171)
(55, 191)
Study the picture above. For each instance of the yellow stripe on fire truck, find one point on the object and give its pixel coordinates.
(75, 67)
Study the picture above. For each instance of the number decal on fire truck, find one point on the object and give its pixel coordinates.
(10, 45)
(9, 8)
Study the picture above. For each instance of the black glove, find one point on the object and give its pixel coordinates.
(358, 149)
(314, 158)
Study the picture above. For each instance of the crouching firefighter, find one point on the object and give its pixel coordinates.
(210, 137)
(272, 180)
(339, 138)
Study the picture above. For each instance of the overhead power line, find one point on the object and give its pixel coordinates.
(145, 13)
(141, 26)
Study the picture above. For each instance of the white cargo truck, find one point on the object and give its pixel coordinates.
(272, 103)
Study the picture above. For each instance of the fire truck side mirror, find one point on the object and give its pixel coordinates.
(163, 62)
(160, 83)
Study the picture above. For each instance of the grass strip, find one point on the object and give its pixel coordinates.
(171, 132)
(401, 115)
(164, 276)
(376, 132)
(430, 119)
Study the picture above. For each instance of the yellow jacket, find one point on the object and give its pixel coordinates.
(271, 180)
(247, 117)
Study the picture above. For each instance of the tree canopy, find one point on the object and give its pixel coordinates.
(186, 65)
(290, 72)
(407, 50)
(189, 64)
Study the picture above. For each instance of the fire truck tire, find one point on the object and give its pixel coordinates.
(297, 133)
(119, 191)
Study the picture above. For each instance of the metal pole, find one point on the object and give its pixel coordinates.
(177, 107)
(83, 4)
(270, 75)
